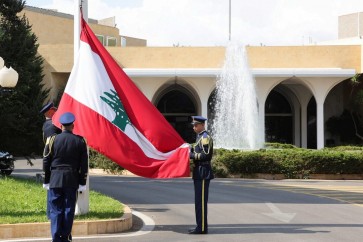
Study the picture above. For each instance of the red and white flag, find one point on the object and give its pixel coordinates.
(117, 119)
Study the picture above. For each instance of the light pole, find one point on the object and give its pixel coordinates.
(8, 77)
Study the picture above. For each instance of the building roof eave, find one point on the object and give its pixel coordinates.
(257, 72)
(303, 72)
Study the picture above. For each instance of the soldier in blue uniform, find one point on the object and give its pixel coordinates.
(49, 129)
(201, 155)
(65, 164)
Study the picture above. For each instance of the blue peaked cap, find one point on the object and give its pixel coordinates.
(198, 120)
(67, 118)
(46, 107)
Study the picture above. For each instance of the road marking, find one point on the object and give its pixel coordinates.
(346, 194)
(148, 226)
(278, 215)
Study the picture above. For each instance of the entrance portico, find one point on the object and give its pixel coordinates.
(303, 75)
(300, 86)
(304, 83)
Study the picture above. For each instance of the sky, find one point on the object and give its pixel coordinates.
(206, 22)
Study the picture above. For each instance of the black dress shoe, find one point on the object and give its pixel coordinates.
(195, 231)
(190, 230)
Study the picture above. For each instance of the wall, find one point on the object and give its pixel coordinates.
(52, 27)
(350, 25)
(347, 57)
(343, 56)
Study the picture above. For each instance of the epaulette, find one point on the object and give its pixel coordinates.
(205, 138)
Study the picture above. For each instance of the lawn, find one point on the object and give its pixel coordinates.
(23, 201)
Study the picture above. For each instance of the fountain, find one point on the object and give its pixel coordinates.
(236, 124)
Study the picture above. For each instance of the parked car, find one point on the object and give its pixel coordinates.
(6, 163)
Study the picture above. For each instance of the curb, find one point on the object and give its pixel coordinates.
(268, 176)
(97, 171)
(91, 227)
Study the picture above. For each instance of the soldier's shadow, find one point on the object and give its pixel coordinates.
(257, 228)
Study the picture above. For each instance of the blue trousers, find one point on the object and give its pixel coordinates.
(62, 203)
(201, 191)
(48, 207)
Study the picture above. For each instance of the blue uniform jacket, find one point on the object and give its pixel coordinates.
(49, 129)
(201, 154)
(65, 161)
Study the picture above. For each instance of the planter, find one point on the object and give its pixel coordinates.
(31, 230)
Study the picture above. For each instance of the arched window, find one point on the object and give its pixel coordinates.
(174, 102)
(278, 119)
(177, 104)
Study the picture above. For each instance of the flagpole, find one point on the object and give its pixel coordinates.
(77, 28)
(82, 205)
(229, 36)
(77, 23)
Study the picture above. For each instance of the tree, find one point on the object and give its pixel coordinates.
(20, 122)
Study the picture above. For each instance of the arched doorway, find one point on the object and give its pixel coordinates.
(343, 112)
(311, 124)
(211, 110)
(278, 119)
(177, 104)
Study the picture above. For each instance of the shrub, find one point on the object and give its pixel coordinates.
(292, 162)
(97, 160)
(279, 146)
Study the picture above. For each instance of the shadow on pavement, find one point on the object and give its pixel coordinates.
(259, 228)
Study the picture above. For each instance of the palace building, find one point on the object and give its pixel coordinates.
(298, 88)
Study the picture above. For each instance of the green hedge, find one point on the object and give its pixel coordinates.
(97, 160)
(292, 162)
(284, 159)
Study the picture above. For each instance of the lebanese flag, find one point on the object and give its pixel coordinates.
(117, 119)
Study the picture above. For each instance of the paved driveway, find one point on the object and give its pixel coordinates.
(239, 209)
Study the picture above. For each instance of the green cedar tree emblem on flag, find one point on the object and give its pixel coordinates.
(121, 119)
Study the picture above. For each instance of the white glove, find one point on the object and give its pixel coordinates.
(46, 186)
(82, 188)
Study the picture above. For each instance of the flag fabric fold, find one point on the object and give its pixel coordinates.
(117, 119)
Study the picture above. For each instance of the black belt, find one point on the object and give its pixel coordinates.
(62, 168)
(200, 163)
